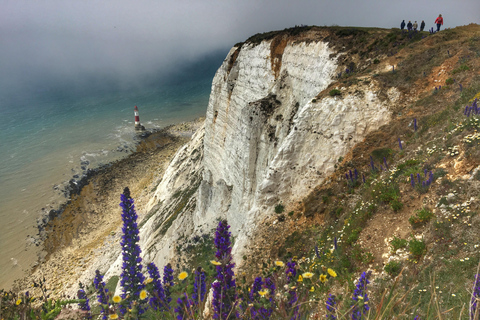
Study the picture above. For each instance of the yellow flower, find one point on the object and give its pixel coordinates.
(143, 294)
(215, 263)
(307, 275)
(300, 278)
(18, 302)
(113, 316)
(117, 299)
(148, 280)
(279, 263)
(312, 289)
(331, 272)
(323, 278)
(263, 292)
(182, 275)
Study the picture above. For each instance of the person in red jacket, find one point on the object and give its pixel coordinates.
(439, 22)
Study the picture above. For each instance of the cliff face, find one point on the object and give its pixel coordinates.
(272, 132)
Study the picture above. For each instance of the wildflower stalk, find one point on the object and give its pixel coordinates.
(157, 301)
(102, 294)
(224, 294)
(132, 278)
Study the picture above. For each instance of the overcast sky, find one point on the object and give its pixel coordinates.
(68, 38)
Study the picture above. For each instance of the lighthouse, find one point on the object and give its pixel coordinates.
(138, 126)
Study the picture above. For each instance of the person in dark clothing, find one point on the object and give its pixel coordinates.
(409, 25)
(439, 22)
(402, 25)
(422, 25)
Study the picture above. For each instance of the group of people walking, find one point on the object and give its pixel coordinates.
(414, 26)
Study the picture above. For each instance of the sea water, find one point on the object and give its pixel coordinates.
(49, 134)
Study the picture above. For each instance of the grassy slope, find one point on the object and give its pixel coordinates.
(440, 257)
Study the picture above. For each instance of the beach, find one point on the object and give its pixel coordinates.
(90, 224)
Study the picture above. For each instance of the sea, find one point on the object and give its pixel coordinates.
(54, 132)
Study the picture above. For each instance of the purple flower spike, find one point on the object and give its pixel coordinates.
(475, 296)
(461, 87)
(415, 124)
(331, 308)
(224, 288)
(425, 171)
(466, 110)
(85, 306)
(418, 177)
(158, 300)
(167, 282)
(199, 286)
(400, 144)
(102, 294)
(132, 278)
(356, 174)
(360, 297)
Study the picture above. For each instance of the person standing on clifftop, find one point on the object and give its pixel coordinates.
(409, 26)
(422, 25)
(439, 22)
(402, 25)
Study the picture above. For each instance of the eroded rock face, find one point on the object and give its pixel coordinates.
(266, 141)
(270, 135)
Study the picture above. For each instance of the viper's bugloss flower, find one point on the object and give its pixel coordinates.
(291, 271)
(417, 318)
(199, 286)
(360, 297)
(415, 124)
(256, 287)
(132, 278)
(331, 307)
(157, 300)
(183, 309)
(400, 144)
(292, 306)
(102, 294)
(85, 306)
(167, 282)
(475, 298)
(224, 288)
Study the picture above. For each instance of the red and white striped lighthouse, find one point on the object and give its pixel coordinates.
(138, 126)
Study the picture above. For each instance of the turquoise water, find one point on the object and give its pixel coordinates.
(47, 133)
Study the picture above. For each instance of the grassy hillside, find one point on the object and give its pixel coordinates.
(423, 238)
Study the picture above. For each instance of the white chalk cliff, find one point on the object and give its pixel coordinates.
(272, 133)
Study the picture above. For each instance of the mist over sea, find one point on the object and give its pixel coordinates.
(51, 129)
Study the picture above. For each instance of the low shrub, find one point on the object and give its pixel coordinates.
(422, 217)
(398, 243)
(417, 248)
(335, 92)
(393, 268)
(279, 208)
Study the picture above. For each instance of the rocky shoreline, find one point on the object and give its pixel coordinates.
(87, 226)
